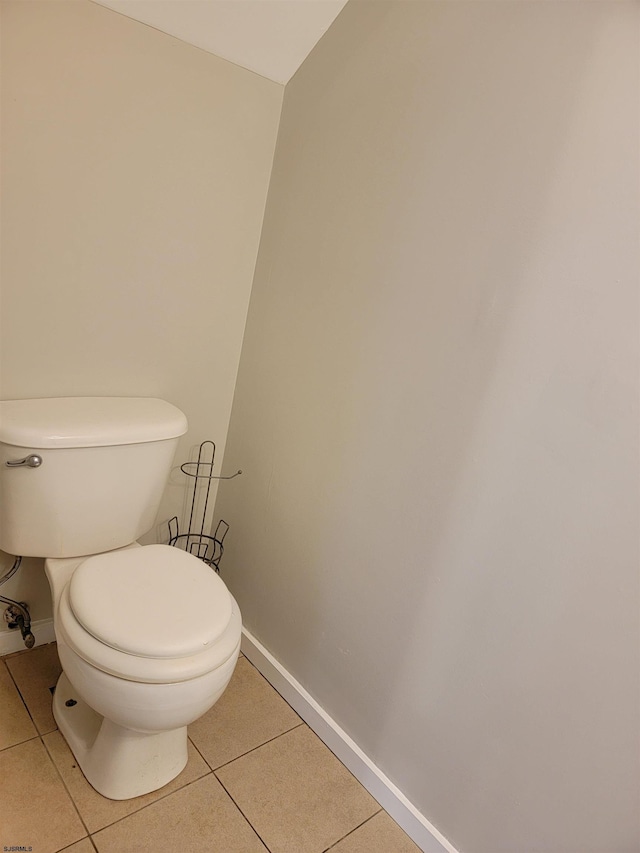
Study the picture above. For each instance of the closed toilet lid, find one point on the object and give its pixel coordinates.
(154, 601)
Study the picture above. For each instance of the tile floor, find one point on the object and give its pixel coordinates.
(258, 779)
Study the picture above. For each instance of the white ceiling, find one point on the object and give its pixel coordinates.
(270, 37)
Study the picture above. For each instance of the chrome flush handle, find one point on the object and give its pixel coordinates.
(32, 461)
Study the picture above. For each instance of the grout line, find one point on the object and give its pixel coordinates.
(228, 793)
(13, 745)
(199, 753)
(253, 748)
(351, 831)
(210, 770)
(304, 723)
(73, 843)
(146, 805)
(419, 829)
(64, 784)
(286, 701)
(24, 702)
(40, 737)
(14, 654)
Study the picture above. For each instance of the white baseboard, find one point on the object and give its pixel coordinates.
(405, 814)
(392, 800)
(11, 639)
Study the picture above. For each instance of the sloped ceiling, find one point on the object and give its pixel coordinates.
(270, 37)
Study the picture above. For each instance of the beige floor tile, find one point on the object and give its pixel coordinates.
(248, 714)
(200, 818)
(35, 672)
(379, 835)
(84, 846)
(37, 812)
(97, 811)
(296, 794)
(15, 722)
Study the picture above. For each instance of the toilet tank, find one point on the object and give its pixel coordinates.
(105, 464)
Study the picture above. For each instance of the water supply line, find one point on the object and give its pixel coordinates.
(17, 613)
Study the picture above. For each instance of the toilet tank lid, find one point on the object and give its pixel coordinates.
(88, 421)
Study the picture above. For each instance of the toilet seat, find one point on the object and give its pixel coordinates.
(129, 640)
(154, 601)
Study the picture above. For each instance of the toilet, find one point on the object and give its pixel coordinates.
(148, 635)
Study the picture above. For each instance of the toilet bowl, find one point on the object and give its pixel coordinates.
(136, 672)
(148, 635)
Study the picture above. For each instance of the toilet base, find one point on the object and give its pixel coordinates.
(119, 763)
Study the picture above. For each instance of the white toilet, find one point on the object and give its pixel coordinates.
(148, 636)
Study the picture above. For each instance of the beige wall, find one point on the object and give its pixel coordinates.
(436, 411)
(135, 173)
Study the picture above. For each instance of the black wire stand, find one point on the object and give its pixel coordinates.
(207, 548)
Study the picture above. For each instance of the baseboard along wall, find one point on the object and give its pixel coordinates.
(405, 814)
(393, 801)
(11, 638)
